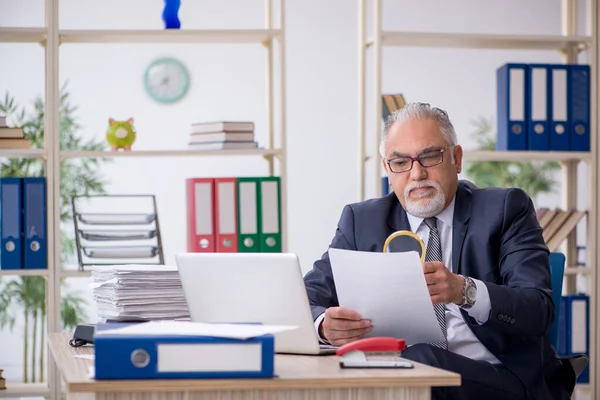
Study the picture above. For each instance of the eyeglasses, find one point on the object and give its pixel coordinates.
(426, 160)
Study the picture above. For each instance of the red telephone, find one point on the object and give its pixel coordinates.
(387, 352)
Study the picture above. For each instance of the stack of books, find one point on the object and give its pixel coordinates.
(138, 292)
(2, 381)
(12, 138)
(557, 224)
(222, 136)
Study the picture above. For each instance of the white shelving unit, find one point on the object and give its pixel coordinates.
(569, 44)
(51, 37)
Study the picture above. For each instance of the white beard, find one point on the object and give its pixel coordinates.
(425, 207)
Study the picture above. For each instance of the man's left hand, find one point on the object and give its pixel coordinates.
(444, 286)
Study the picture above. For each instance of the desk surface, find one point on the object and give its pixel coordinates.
(293, 372)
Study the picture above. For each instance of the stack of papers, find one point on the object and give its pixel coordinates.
(130, 292)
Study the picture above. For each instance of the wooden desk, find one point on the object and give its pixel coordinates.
(298, 378)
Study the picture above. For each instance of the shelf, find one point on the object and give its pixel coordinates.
(22, 35)
(16, 390)
(22, 153)
(23, 272)
(476, 155)
(476, 41)
(73, 273)
(168, 36)
(168, 153)
(577, 271)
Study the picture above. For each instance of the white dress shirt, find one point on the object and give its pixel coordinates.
(461, 339)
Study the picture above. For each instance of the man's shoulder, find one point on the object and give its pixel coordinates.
(495, 193)
(375, 204)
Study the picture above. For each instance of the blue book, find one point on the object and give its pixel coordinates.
(512, 82)
(579, 107)
(34, 223)
(11, 223)
(539, 86)
(559, 99)
(177, 356)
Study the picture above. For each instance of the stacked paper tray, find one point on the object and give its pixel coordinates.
(117, 229)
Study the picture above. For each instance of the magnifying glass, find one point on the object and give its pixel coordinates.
(402, 241)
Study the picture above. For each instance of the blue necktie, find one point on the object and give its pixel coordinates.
(434, 253)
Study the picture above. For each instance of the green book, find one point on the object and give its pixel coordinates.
(269, 225)
(248, 214)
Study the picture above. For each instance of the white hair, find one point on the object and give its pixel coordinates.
(419, 111)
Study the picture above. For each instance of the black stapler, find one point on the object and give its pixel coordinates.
(84, 334)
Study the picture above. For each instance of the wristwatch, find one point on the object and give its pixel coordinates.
(469, 293)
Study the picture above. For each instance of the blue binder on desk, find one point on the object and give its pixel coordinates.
(34, 223)
(11, 223)
(579, 107)
(181, 356)
(512, 82)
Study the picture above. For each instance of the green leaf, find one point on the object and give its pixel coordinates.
(78, 176)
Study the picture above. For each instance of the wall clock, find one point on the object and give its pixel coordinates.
(166, 80)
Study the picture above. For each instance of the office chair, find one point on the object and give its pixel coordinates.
(557, 268)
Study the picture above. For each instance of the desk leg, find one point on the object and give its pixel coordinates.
(401, 393)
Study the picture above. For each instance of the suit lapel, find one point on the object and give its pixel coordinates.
(398, 220)
(462, 213)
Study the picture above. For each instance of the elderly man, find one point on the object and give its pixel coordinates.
(486, 266)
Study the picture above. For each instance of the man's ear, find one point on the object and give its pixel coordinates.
(385, 166)
(457, 158)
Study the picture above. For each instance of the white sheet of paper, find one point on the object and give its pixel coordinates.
(185, 328)
(390, 290)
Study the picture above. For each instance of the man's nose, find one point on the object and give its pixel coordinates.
(417, 172)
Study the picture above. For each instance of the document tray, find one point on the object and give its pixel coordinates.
(106, 235)
(116, 219)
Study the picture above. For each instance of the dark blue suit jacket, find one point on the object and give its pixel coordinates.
(496, 239)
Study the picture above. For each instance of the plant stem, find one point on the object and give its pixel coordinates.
(26, 347)
(34, 346)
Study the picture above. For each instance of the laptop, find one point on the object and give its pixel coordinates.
(266, 288)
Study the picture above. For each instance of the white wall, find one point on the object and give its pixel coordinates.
(228, 83)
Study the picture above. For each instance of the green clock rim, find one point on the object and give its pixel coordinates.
(169, 60)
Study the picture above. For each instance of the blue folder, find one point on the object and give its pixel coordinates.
(574, 328)
(11, 223)
(579, 107)
(559, 99)
(34, 223)
(512, 82)
(538, 88)
(181, 357)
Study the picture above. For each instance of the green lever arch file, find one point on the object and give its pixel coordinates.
(248, 214)
(269, 226)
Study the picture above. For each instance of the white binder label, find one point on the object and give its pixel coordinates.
(247, 200)
(213, 357)
(203, 200)
(578, 327)
(559, 95)
(226, 191)
(539, 94)
(517, 95)
(270, 207)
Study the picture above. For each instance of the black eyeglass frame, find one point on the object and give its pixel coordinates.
(418, 159)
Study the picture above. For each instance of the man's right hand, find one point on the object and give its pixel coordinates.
(341, 326)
